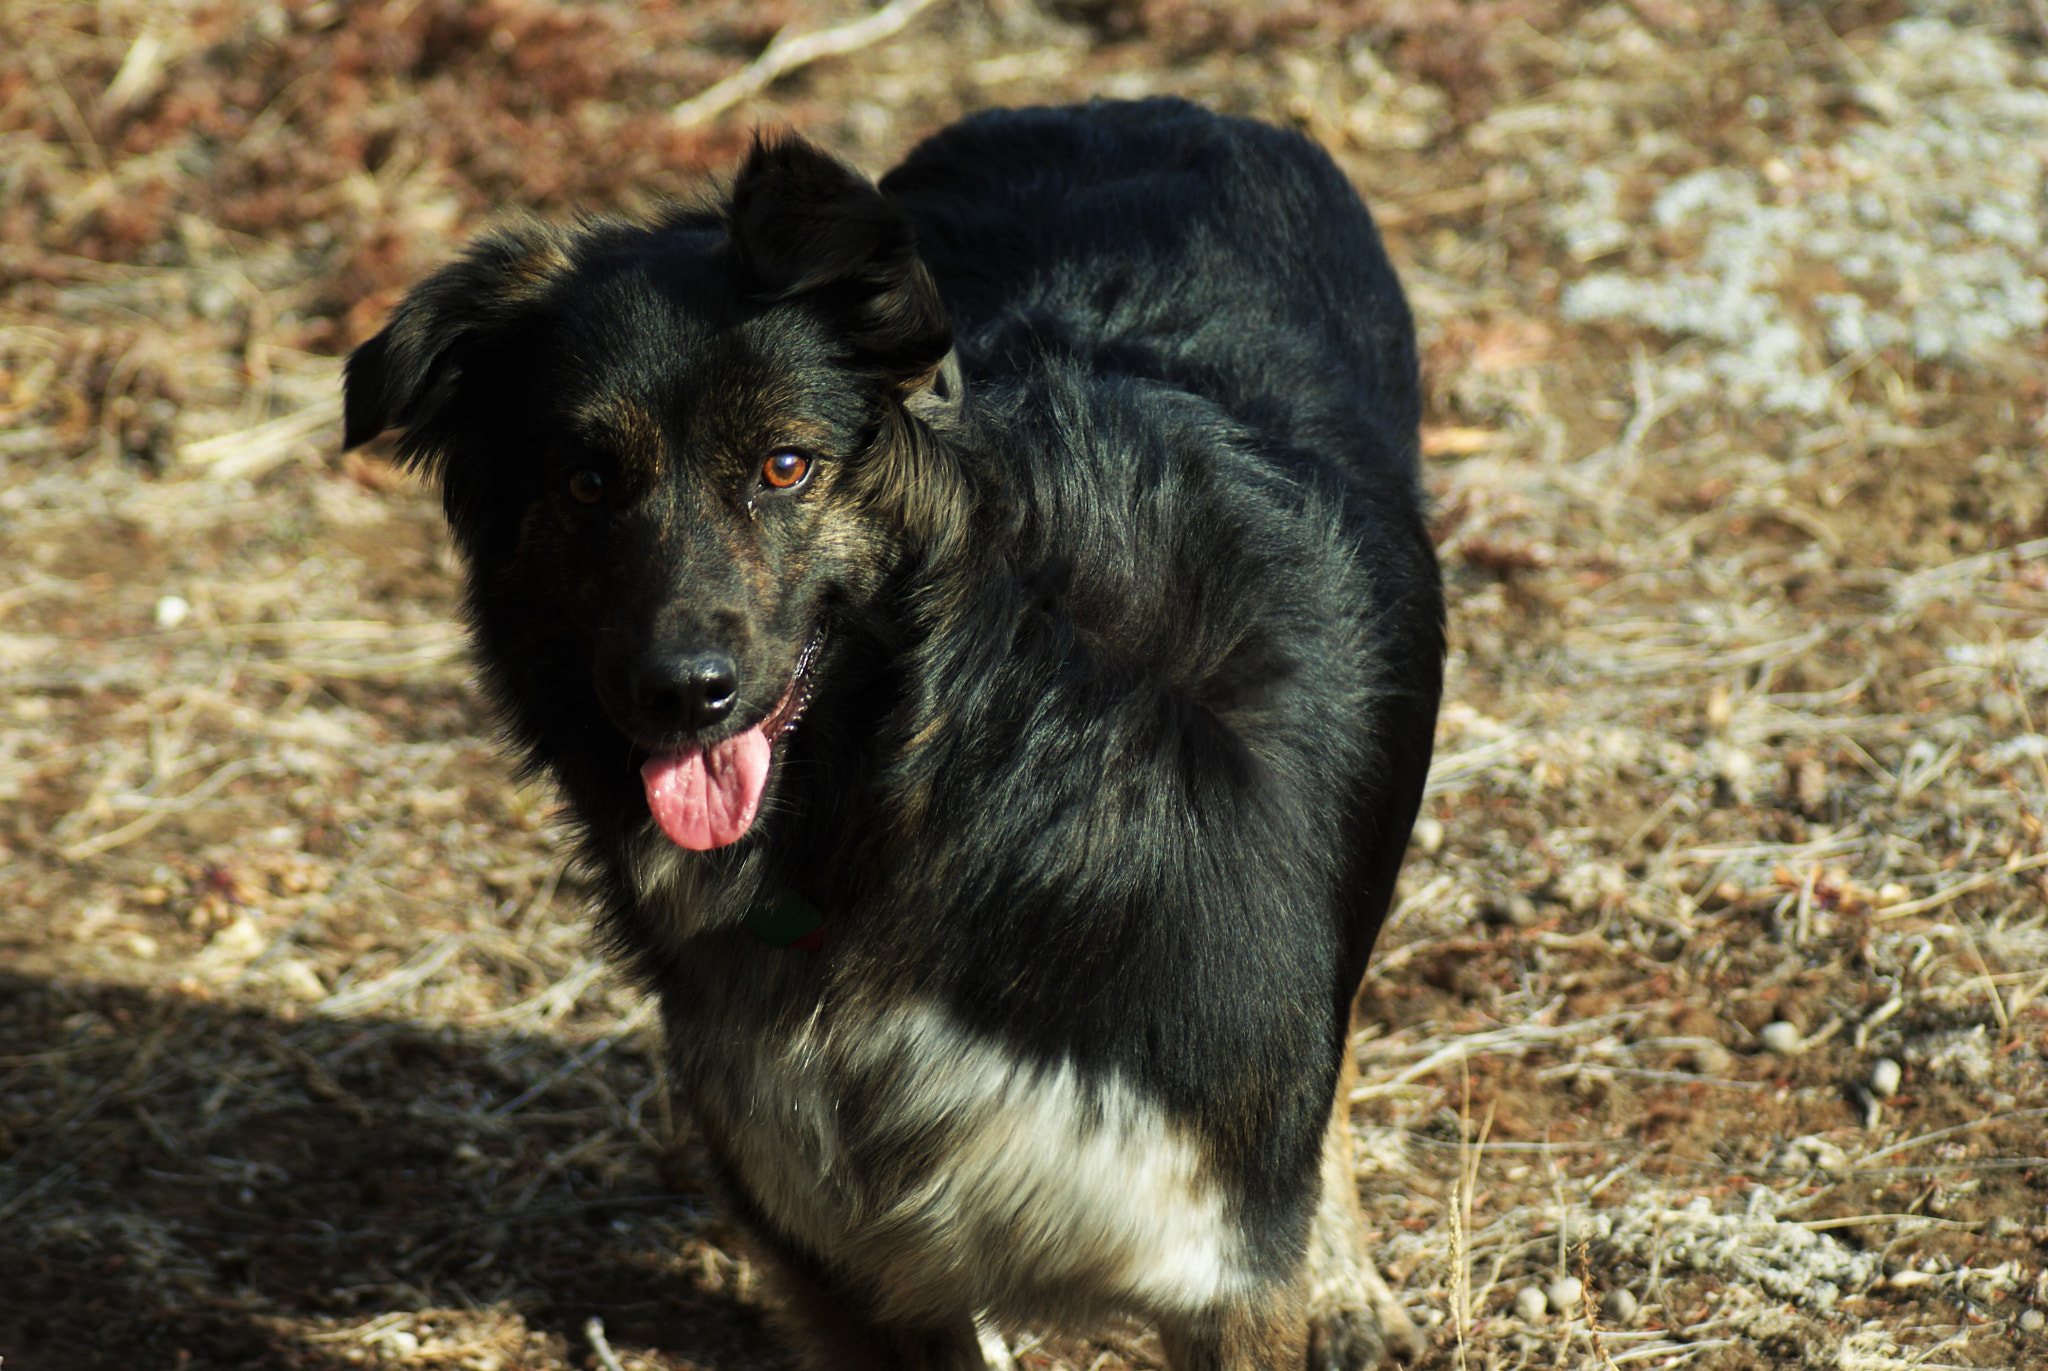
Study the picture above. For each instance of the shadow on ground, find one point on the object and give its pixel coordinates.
(190, 1184)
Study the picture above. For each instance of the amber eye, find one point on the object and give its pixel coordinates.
(586, 487)
(785, 470)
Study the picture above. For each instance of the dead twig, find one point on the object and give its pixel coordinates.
(1513, 1040)
(248, 453)
(52, 1178)
(1963, 887)
(1912, 592)
(177, 804)
(416, 971)
(1588, 1307)
(574, 1064)
(593, 1330)
(1863, 1163)
(785, 54)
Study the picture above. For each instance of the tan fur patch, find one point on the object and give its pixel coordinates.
(632, 433)
(541, 263)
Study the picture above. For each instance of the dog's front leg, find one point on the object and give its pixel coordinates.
(834, 1328)
(1338, 1315)
(1354, 1320)
(1266, 1332)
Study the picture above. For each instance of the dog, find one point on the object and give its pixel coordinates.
(985, 628)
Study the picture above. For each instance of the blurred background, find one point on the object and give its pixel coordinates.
(1709, 1030)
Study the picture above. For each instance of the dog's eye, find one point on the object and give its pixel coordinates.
(586, 487)
(786, 470)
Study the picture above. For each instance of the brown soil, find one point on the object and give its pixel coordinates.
(306, 1057)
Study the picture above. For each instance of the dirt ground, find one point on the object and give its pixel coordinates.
(1719, 981)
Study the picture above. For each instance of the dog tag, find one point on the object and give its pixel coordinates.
(791, 921)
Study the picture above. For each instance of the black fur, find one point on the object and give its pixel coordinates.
(1131, 646)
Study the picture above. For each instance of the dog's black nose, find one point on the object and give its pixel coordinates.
(688, 692)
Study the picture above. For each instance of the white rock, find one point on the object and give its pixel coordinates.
(299, 977)
(238, 942)
(1884, 1078)
(1711, 1059)
(1618, 1307)
(400, 1343)
(1564, 1295)
(1781, 1038)
(1429, 835)
(2032, 1321)
(1529, 1304)
(1519, 910)
(1821, 1155)
(1734, 767)
(172, 610)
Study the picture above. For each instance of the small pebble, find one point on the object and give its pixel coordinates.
(1712, 1059)
(1781, 1038)
(1618, 1307)
(1429, 835)
(2032, 1321)
(1564, 1295)
(172, 610)
(1826, 1157)
(1518, 911)
(1884, 1078)
(1529, 1304)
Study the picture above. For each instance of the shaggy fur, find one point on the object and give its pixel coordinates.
(1097, 647)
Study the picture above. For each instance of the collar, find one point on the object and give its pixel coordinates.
(791, 921)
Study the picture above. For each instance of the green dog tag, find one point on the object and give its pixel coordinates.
(791, 921)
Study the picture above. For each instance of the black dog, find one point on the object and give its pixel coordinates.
(986, 629)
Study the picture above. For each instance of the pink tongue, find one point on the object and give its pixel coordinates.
(706, 799)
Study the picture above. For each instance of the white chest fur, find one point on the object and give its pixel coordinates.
(947, 1174)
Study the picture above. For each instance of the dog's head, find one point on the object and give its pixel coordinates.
(672, 452)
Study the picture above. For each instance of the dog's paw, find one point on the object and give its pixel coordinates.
(1345, 1340)
(1360, 1335)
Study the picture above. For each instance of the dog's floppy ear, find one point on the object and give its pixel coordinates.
(805, 224)
(403, 377)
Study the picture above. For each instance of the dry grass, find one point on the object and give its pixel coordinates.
(1732, 318)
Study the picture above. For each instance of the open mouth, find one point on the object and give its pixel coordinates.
(707, 797)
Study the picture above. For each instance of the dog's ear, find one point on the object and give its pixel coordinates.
(405, 376)
(804, 223)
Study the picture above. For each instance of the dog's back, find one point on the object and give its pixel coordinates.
(1220, 255)
(1110, 267)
